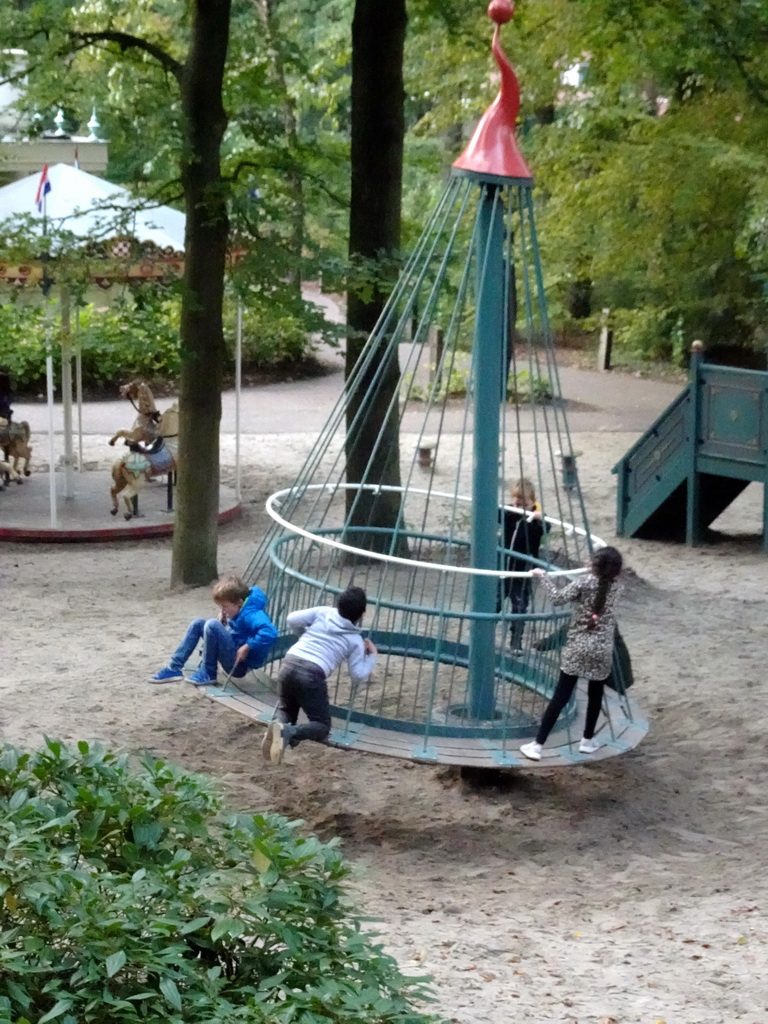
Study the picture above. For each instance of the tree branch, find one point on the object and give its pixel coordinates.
(126, 41)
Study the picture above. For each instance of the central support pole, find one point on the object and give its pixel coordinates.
(488, 357)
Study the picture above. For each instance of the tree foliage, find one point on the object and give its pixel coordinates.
(132, 896)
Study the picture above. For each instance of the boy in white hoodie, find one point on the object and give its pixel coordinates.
(328, 636)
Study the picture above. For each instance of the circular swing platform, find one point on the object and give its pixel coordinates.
(255, 698)
(422, 702)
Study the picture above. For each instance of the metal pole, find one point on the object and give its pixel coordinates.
(66, 394)
(238, 386)
(46, 283)
(79, 389)
(488, 356)
(51, 442)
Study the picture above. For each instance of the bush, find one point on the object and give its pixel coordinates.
(130, 896)
(522, 388)
(139, 337)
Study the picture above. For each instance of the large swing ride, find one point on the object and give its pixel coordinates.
(416, 522)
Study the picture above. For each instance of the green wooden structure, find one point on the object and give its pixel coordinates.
(697, 457)
(472, 415)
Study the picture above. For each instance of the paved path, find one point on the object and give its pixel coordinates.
(596, 401)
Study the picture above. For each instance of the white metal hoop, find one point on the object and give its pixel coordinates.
(276, 498)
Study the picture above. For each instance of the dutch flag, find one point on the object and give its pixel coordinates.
(43, 188)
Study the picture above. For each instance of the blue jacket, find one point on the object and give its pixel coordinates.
(254, 627)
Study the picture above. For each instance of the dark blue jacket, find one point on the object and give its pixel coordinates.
(254, 627)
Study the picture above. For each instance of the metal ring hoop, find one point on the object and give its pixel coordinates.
(276, 498)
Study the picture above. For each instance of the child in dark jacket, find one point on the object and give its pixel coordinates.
(6, 397)
(523, 532)
(327, 637)
(238, 639)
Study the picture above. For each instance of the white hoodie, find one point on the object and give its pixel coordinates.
(327, 639)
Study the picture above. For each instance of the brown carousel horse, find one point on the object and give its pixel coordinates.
(15, 446)
(152, 442)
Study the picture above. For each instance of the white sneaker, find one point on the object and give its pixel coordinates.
(531, 750)
(588, 746)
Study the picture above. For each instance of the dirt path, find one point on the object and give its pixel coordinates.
(630, 891)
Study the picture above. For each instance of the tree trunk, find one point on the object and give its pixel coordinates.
(293, 175)
(202, 342)
(377, 129)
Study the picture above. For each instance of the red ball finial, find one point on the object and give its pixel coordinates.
(501, 11)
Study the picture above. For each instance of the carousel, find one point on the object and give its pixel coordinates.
(61, 480)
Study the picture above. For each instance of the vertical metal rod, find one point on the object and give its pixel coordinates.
(66, 393)
(51, 441)
(79, 389)
(238, 386)
(488, 357)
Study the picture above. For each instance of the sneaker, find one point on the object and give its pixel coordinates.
(166, 675)
(201, 678)
(588, 746)
(274, 741)
(531, 750)
(266, 743)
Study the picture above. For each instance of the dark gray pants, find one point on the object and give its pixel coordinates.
(303, 687)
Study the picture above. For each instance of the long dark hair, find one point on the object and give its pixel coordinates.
(606, 565)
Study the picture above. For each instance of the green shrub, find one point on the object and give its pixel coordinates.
(130, 896)
(521, 387)
(139, 337)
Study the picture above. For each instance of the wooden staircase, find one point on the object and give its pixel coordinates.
(697, 457)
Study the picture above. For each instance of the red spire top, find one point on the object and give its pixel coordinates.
(493, 149)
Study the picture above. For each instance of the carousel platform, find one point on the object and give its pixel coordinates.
(25, 513)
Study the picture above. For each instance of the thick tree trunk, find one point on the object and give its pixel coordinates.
(202, 342)
(294, 178)
(378, 38)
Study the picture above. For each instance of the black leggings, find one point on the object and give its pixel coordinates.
(565, 687)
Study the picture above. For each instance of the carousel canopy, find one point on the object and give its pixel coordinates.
(91, 207)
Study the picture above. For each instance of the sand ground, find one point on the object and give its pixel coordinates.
(630, 891)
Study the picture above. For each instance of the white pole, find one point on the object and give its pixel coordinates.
(51, 442)
(79, 390)
(238, 386)
(66, 394)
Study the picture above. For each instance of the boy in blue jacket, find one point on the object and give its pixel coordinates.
(238, 639)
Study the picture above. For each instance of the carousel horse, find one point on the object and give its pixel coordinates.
(152, 444)
(15, 446)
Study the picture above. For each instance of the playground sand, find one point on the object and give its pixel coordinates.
(626, 892)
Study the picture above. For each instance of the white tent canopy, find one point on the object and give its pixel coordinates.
(89, 206)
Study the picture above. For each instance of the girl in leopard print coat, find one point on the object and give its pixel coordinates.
(588, 650)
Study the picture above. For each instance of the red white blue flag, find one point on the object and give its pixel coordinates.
(43, 188)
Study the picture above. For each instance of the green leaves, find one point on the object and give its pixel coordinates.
(132, 896)
(115, 962)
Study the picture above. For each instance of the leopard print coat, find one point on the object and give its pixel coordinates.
(587, 653)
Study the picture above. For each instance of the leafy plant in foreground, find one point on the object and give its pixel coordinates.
(131, 896)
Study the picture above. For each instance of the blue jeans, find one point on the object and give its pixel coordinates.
(218, 648)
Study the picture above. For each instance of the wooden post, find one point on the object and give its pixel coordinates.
(606, 343)
(692, 507)
(436, 344)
